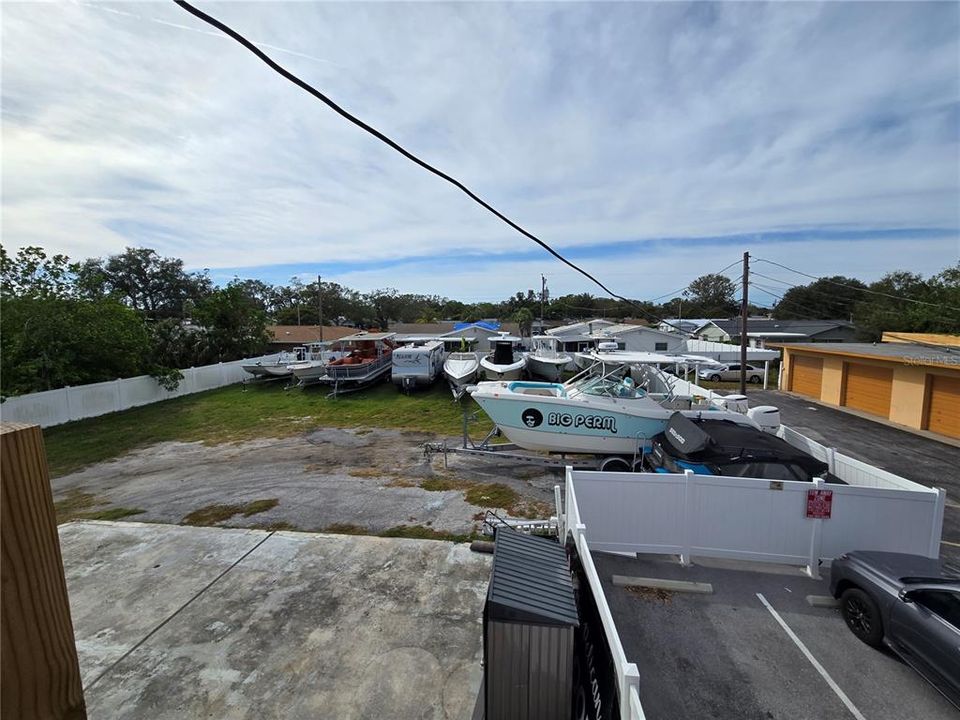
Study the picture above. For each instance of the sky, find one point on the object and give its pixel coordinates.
(650, 142)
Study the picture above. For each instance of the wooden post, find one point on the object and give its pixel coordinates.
(39, 671)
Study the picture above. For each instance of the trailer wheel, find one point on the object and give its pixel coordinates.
(615, 464)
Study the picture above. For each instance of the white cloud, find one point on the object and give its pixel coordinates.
(588, 123)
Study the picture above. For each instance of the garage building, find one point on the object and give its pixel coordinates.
(907, 383)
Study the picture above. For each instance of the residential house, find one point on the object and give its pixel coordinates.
(287, 337)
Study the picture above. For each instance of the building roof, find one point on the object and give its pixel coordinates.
(690, 325)
(921, 338)
(731, 326)
(905, 353)
(304, 334)
(575, 328)
(445, 327)
(622, 328)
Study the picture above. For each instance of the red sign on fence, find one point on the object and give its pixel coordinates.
(819, 503)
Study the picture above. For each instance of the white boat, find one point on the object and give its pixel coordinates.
(546, 360)
(417, 364)
(504, 362)
(276, 368)
(314, 366)
(461, 368)
(603, 414)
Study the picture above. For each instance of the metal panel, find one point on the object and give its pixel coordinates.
(530, 581)
(806, 375)
(529, 671)
(868, 388)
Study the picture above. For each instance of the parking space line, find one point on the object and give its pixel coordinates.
(813, 661)
(951, 544)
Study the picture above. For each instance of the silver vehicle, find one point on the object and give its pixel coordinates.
(908, 603)
(730, 373)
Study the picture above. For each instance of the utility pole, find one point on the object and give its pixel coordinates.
(320, 305)
(743, 324)
(543, 294)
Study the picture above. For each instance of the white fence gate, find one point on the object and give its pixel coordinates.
(54, 407)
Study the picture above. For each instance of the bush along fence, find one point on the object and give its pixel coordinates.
(55, 407)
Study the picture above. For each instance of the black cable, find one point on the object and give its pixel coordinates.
(400, 149)
(866, 290)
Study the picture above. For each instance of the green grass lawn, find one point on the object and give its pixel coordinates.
(233, 414)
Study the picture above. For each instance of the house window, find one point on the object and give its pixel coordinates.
(659, 347)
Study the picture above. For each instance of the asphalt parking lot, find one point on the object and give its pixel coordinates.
(726, 655)
(915, 457)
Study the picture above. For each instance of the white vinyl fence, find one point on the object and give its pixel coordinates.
(54, 407)
(628, 675)
(752, 519)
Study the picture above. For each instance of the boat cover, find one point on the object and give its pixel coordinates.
(721, 442)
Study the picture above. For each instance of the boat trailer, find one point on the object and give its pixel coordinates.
(490, 450)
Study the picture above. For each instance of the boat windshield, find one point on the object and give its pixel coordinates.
(613, 387)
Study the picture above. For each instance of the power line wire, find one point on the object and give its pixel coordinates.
(303, 85)
(854, 287)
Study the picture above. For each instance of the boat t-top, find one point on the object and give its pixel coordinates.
(504, 362)
(546, 360)
(604, 412)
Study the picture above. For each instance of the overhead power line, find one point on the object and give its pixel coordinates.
(303, 85)
(854, 287)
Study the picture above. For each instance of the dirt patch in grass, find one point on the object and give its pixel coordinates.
(116, 513)
(401, 481)
(213, 514)
(492, 495)
(665, 597)
(76, 501)
(421, 532)
(233, 414)
(441, 484)
(274, 526)
(77, 506)
(366, 472)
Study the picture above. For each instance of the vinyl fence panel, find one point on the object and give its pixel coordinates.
(55, 407)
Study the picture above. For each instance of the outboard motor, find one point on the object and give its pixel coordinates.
(766, 416)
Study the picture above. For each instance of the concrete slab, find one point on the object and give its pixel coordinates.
(176, 622)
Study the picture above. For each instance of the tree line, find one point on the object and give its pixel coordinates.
(69, 323)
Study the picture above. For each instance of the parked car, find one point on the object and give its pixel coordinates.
(720, 447)
(908, 603)
(730, 373)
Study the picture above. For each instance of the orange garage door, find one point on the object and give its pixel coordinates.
(943, 412)
(806, 375)
(868, 389)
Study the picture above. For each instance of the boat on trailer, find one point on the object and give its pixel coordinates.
(546, 360)
(504, 362)
(461, 366)
(278, 368)
(314, 366)
(367, 357)
(602, 411)
(417, 364)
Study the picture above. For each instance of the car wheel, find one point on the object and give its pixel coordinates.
(862, 616)
(715, 378)
(755, 379)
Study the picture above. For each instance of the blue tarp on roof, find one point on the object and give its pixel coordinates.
(493, 326)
